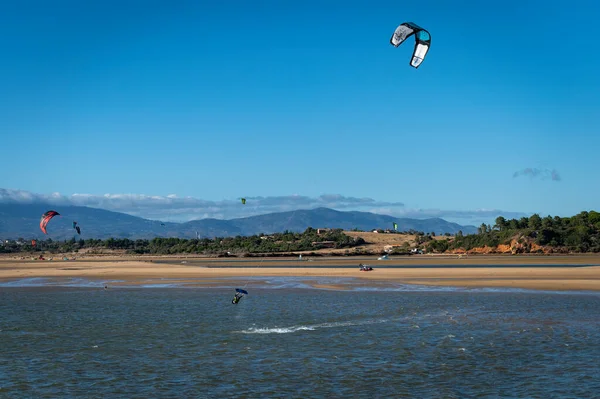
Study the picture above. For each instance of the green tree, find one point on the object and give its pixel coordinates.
(523, 222)
(535, 222)
(482, 229)
(501, 223)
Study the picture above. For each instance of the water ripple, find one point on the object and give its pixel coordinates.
(88, 343)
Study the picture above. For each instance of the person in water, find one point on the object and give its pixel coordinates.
(236, 298)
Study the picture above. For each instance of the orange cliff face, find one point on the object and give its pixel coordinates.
(516, 246)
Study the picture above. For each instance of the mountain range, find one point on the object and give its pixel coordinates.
(22, 221)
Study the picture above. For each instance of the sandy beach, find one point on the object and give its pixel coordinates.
(530, 272)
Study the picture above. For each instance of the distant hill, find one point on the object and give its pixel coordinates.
(22, 220)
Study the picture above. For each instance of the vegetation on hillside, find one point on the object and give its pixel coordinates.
(534, 234)
(579, 233)
(310, 239)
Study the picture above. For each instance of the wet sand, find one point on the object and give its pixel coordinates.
(570, 275)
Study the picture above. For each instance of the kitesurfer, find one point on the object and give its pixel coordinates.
(239, 293)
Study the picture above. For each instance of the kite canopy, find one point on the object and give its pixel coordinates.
(241, 291)
(422, 41)
(46, 218)
(243, 200)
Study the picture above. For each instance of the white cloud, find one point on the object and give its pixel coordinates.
(540, 173)
(464, 217)
(179, 209)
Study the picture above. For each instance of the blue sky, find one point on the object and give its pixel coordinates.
(271, 99)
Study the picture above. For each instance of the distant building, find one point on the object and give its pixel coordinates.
(391, 247)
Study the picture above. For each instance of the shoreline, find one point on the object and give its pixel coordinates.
(441, 259)
(562, 273)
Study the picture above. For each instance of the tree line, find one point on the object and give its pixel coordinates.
(287, 241)
(579, 233)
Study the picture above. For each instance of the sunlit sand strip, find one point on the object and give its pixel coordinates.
(437, 259)
(335, 287)
(553, 278)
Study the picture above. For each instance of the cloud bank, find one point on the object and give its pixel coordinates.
(476, 216)
(180, 209)
(543, 174)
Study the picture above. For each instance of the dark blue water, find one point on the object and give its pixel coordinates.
(297, 343)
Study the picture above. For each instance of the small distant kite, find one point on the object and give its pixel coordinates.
(422, 41)
(243, 201)
(76, 227)
(46, 218)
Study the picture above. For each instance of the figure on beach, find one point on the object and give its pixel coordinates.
(364, 268)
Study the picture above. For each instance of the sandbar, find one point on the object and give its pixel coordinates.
(528, 272)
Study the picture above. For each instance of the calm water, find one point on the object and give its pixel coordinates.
(297, 342)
